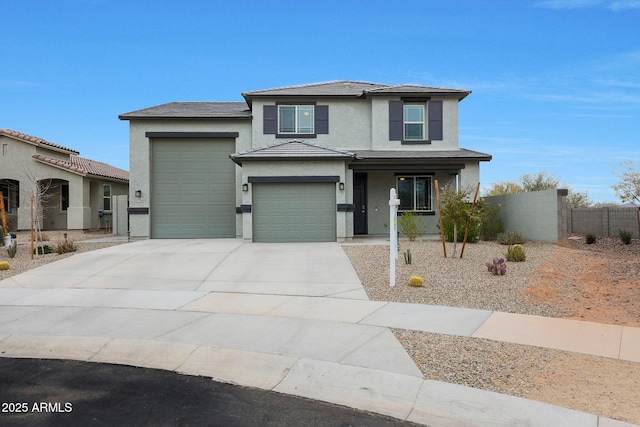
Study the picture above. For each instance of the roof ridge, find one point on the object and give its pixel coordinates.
(35, 140)
(328, 82)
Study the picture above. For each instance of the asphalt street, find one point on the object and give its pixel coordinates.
(39, 392)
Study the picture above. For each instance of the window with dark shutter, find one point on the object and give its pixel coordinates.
(396, 120)
(435, 120)
(270, 119)
(322, 119)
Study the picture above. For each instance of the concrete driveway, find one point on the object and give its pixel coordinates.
(291, 318)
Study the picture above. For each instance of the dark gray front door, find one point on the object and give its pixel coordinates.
(360, 203)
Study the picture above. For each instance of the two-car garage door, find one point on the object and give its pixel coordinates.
(294, 212)
(192, 188)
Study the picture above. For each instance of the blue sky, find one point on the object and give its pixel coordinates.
(556, 83)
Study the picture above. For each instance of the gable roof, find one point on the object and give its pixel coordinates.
(348, 88)
(84, 167)
(292, 150)
(34, 140)
(192, 110)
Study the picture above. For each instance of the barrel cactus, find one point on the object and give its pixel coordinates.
(416, 281)
(4, 265)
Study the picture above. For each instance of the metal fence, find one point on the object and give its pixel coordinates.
(606, 222)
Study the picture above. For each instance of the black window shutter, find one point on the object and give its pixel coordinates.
(435, 120)
(322, 119)
(270, 119)
(396, 121)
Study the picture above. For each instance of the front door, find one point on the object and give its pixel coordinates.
(360, 203)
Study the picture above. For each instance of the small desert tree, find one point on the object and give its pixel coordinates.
(628, 189)
(456, 209)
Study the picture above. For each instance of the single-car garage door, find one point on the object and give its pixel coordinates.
(192, 188)
(294, 212)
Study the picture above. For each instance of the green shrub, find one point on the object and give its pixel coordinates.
(625, 236)
(11, 250)
(42, 250)
(411, 225)
(515, 253)
(510, 238)
(590, 238)
(474, 232)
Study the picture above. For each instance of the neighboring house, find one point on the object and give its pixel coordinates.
(76, 191)
(301, 163)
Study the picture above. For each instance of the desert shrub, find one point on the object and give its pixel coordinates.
(515, 253)
(43, 250)
(411, 225)
(474, 231)
(416, 281)
(590, 238)
(4, 265)
(510, 238)
(11, 250)
(65, 246)
(491, 222)
(497, 267)
(625, 236)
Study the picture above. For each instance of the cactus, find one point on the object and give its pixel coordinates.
(11, 250)
(497, 267)
(407, 256)
(515, 253)
(4, 265)
(416, 281)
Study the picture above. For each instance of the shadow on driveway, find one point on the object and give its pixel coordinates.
(63, 392)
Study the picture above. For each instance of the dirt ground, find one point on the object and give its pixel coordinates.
(598, 282)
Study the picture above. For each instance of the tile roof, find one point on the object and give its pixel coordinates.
(192, 110)
(354, 89)
(332, 88)
(461, 154)
(35, 140)
(292, 150)
(85, 167)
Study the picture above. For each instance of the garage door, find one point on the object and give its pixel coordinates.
(192, 188)
(294, 212)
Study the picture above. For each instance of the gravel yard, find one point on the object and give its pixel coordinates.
(593, 384)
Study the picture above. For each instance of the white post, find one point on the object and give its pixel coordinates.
(393, 235)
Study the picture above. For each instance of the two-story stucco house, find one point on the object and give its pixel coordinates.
(302, 163)
(76, 191)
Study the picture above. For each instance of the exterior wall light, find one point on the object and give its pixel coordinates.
(245, 187)
(341, 186)
(138, 193)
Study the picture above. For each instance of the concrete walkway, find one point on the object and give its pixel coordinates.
(292, 318)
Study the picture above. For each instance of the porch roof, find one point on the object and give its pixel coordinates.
(292, 150)
(458, 155)
(84, 167)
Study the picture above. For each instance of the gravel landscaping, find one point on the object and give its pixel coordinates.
(598, 385)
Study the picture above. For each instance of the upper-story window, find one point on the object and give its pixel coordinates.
(290, 120)
(106, 193)
(296, 119)
(413, 122)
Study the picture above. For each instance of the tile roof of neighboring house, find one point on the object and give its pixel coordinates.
(292, 150)
(355, 88)
(35, 140)
(192, 110)
(85, 167)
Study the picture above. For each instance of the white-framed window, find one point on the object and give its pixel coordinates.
(414, 193)
(414, 122)
(106, 194)
(295, 119)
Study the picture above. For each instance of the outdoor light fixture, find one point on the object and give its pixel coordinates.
(341, 185)
(245, 187)
(138, 193)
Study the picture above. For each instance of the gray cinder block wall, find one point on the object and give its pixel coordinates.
(606, 222)
(536, 215)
